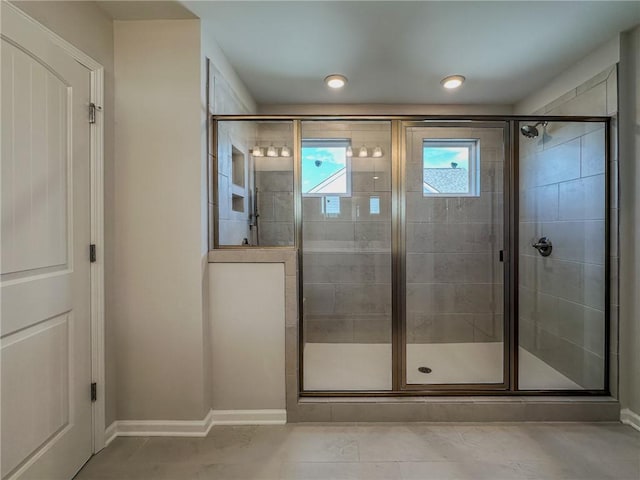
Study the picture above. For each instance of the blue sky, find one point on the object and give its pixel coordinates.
(441, 157)
(332, 158)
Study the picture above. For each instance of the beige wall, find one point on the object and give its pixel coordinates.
(629, 126)
(89, 29)
(158, 235)
(248, 332)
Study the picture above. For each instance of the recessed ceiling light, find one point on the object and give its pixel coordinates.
(452, 81)
(336, 81)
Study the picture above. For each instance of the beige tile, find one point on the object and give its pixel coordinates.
(583, 199)
(560, 100)
(590, 102)
(372, 329)
(393, 451)
(291, 299)
(373, 236)
(344, 470)
(291, 339)
(276, 234)
(539, 204)
(328, 329)
(592, 82)
(327, 444)
(357, 298)
(392, 443)
(283, 206)
(314, 412)
(557, 164)
(119, 451)
(318, 298)
(594, 153)
(140, 471)
(266, 206)
(428, 210)
(243, 471)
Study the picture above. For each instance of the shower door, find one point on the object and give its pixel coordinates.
(346, 190)
(451, 257)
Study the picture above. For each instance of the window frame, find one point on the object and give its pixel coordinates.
(327, 143)
(473, 174)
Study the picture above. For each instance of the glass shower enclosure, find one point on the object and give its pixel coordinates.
(436, 255)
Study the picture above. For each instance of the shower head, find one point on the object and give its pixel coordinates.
(530, 131)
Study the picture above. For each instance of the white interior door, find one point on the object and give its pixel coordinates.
(45, 273)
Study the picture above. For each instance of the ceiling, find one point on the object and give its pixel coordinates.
(397, 52)
(145, 10)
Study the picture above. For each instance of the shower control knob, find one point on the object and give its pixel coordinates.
(544, 247)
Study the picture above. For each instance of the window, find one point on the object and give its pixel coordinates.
(326, 168)
(331, 205)
(450, 168)
(374, 205)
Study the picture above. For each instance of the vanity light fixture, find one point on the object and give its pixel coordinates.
(377, 152)
(349, 151)
(452, 81)
(271, 151)
(363, 151)
(285, 151)
(335, 81)
(257, 151)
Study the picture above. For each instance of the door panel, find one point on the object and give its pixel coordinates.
(453, 316)
(45, 233)
(347, 255)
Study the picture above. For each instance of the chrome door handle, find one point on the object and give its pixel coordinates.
(544, 247)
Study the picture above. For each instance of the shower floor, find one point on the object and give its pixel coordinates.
(363, 366)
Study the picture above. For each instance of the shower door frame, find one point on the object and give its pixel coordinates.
(398, 225)
(401, 257)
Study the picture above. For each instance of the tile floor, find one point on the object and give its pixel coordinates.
(379, 451)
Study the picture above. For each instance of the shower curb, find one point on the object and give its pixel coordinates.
(456, 409)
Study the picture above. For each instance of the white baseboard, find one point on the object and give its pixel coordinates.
(249, 417)
(630, 418)
(110, 433)
(193, 428)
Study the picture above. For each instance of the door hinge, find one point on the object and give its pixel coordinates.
(92, 112)
(94, 392)
(502, 255)
(92, 253)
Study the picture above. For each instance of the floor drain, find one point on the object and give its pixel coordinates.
(424, 369)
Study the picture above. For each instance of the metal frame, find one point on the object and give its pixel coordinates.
(510, 125)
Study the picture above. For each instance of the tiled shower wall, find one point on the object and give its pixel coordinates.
(274, 184)
(454, 274)
(233, 226)
(562, 181)
(347, 256)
